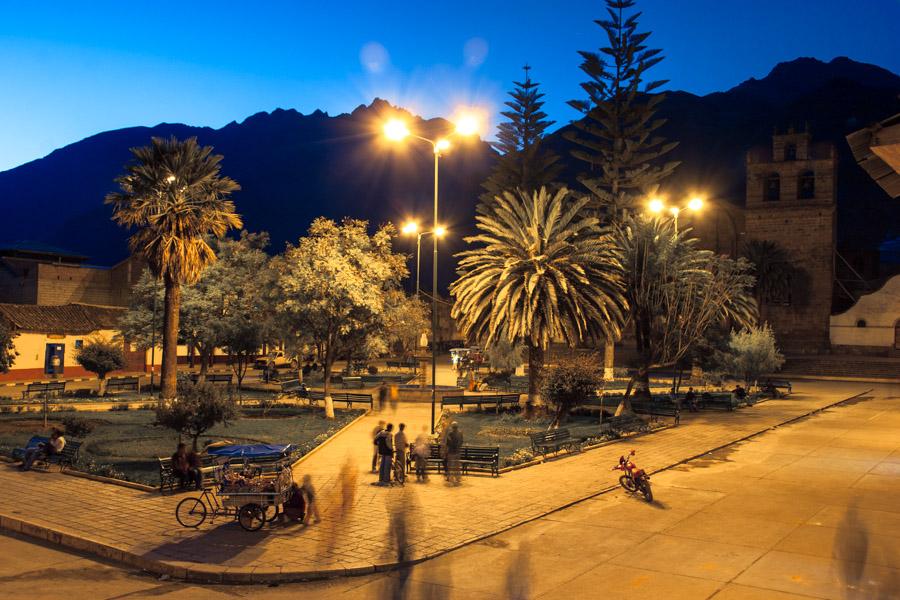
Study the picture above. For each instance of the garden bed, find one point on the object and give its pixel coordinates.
(125, 443)
(510, 430)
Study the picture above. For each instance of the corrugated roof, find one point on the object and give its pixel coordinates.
(68, 318)
(861, 143)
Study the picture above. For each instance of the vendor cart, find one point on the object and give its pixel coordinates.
(250, 487)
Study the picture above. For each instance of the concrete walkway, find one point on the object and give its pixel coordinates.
(365, 528)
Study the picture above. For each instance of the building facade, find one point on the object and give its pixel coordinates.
(872, 325)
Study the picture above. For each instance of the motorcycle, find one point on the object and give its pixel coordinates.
(633, 478)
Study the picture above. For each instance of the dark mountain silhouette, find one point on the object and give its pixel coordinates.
(294, 167)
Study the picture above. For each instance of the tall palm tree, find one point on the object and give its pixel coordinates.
(173, 194)
(546, 271)
(772, 268)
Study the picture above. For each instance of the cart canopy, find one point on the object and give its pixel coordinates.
(252, 451)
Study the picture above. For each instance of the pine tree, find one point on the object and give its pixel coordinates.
(618, 136)
(523, 163)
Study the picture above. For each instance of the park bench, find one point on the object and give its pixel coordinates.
(351, 382)
(471, 458)
(402, 364)
(66, 458)
(120, 384)
(776, 385)
(622, 423)
(496, 400)
(168, 481)
(657, 406)
(717, 400)
(214, 378)
(553, 441)
(44, 388)
(377, 379)
(351, 398)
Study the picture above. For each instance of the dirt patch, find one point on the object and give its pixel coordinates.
(27, 425)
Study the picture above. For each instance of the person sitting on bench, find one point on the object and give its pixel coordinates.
(186, 467)
(44, 450)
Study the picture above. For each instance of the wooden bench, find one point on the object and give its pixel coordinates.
(400, 364)
(471, 458)
(67, 458)
(214, 378)
(169, 481)
(351, 382)
(657, 407)
(495, 400)
(717, 401)
(44, 388)
(351, 398)
(120, 384)
(777, 385)
(553, 441)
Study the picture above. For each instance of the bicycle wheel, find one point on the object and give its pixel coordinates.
(627, 483)
(271, 512)
(251, 517)
(399, 474)
(190, 512)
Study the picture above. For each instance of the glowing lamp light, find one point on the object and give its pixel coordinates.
(656, 205)
(170, 179)
(441, 145)
(696, 203)
(674, 210)
(410, 227)
(467, 124)
(440, 231)
(395, 130)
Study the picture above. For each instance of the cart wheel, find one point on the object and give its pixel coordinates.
(191, 512)
(251, 517)
(272, 511)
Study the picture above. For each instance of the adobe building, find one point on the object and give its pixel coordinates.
(33, 273)
(48, 338)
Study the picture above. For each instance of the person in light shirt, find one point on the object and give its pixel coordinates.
(44, 450)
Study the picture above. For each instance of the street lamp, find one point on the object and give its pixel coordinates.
(412, 228)
(657, 206)
(396, 130)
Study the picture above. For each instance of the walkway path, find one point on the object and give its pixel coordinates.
(424, 520)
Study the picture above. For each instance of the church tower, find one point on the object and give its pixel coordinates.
(791, 202)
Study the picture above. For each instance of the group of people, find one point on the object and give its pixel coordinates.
(44, 450)
(390, 454)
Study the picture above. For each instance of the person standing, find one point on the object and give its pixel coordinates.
(375, 433)
(382, 395)
(385, 443)
(691, 399)
(309, 495)
(401, 445)
(421, 451)
(454, 450)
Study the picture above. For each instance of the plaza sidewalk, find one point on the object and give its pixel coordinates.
(378, 525)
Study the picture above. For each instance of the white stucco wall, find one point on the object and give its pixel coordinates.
(881, 312)
(32, 347)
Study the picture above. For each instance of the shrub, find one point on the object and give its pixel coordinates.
(373, 370)
(568, 383)
(78, 427)
(196, 409)
(119, 407)
(102, 358)
(520, 456)
(751, 353)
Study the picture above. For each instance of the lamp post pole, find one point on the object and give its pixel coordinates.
(418, 261)
(434, 285)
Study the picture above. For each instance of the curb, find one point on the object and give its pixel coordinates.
(249, 575)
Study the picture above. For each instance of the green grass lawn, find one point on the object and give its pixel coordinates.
(125, 444)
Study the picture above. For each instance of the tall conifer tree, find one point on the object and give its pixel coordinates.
(523, 163)
(619, 137)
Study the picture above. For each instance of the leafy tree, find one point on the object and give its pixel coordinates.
(8, 352)
(772, 268)
(568, 383)
(503, 355)
(199, 408)
(101, 357)
(618, 137)
(523, 163)
(545, 271)
(175, 197)
(137, 324)
(332, 287)
(751, 353)
(677, 293)
(405, 318)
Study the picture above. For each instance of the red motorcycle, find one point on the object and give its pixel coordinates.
(634, 479)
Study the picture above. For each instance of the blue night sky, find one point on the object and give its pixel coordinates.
(73, 69)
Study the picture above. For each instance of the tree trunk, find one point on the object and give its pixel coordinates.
(535, 370)
(101, 386)
(169, 372)
(194, 440)
(609, 359)
(329, 403)
(204, 363)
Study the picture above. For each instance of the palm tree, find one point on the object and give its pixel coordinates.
(546, 271)
(173, 194)
(772, 268)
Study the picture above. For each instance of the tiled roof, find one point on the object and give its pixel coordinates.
(68, 318)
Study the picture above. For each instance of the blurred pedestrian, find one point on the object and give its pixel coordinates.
(454, 450)
(385, 444)
(393, 397)
(295, 507)
(309, 495)
(348, 486)
(401, 446)
(382, 395)
(375, 433)
(421, 452)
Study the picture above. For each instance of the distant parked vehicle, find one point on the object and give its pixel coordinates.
(279, 358)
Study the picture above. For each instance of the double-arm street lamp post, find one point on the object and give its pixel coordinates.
(396, 130)
(412, 228)
(657, 207)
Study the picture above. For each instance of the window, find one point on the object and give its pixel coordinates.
(806, 186)
(790, 152)
(79, 344)
(861, 323)
(772, 190)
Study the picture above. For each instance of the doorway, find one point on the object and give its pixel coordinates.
(54, 359)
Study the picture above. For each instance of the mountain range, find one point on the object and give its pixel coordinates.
(294, 167)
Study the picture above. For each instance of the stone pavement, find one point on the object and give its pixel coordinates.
(374, 527)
